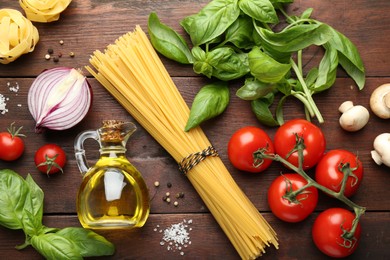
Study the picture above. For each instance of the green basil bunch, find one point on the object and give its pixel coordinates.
(236, 39)
(21, 203)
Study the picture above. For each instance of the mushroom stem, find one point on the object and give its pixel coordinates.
(381, 152)
(386, 100)
(380, 101)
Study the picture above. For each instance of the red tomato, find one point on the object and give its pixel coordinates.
(329, 173)
(283, 208)
(243, 143)
(314, 141)
(50, 158)
(11, 145)
(328, 229)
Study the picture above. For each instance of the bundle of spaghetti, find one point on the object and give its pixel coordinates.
(133, 73)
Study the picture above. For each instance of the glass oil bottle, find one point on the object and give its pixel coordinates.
(113, 193)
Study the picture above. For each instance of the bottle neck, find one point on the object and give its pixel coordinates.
(112, 149)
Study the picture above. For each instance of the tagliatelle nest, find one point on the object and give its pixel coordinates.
(44, 11)
(17, 35)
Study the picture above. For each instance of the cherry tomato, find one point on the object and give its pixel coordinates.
(328, 229)
(329, 171)
(50, 158)
(285, 209)
(11, 145)
(243, 143)
(286, 139)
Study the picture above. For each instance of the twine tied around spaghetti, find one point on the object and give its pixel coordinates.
(190, 161)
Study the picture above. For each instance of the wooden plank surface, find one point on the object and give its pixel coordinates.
(92, 24)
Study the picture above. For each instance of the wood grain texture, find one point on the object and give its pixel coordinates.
(92, 24)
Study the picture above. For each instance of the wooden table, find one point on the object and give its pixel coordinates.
(89, 25)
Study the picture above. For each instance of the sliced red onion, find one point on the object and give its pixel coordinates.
(59, 98)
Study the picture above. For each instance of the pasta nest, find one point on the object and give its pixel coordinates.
(17, 35)
(44, 11)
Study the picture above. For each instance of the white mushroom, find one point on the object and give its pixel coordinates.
(381, 154)
(380, 101)
(353, 118)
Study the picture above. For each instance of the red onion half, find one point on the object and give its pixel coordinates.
(59, 98)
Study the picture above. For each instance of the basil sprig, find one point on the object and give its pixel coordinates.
(21, 203)
(236, 39)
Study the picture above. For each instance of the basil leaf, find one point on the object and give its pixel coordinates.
(349, 57)
(254, 89)
(13, 193)
(260, 108)
(167, 41)
(227, 64)
(211, 101)
(222, 63)
(187, 21)
(240, 33)
(33, 208)
(327, 70)
(212, 20)
(201, 65)
(295, 38)
(265, 68)
(87, 242)
(54, 247)
(261, 10)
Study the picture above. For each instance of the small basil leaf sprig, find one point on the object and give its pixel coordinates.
(234, 39)
(21, 203)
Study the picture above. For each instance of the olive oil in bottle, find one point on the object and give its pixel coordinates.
(113, 193)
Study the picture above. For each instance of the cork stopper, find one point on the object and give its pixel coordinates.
(112, 131)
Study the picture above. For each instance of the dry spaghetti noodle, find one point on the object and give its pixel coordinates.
(133, 73)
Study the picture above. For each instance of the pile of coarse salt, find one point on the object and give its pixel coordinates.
(177, 236)
(3, 104)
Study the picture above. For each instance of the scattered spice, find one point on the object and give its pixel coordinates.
(50, 51)
(180, 195)
(47, 56)
(71, 54)
(156, 184)
(176, 203)
(14, 88)
(56, 59)
(176, 237)
(169, 184)
(61, 42)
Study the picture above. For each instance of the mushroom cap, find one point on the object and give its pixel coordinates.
(354, 118)
(380, 101)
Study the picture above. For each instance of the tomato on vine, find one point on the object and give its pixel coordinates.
(291, 208)
(50, 158)
(334, 165)
(242, 146)
(287, 138)
(11, 144)
(332, 232)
